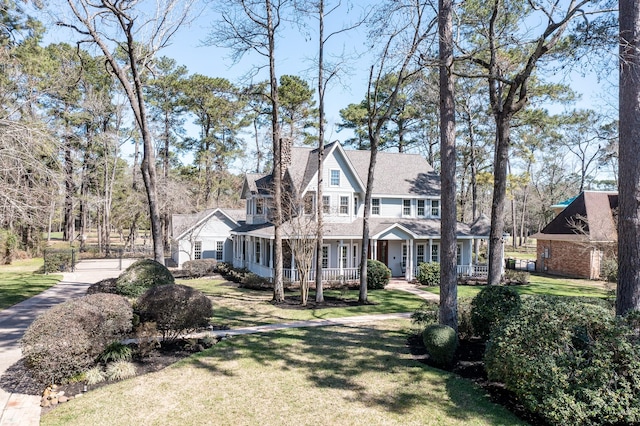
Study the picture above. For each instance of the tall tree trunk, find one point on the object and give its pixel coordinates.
(448, 274)
(501, 159)
(319, 201)
(628, 288)
(69, 194)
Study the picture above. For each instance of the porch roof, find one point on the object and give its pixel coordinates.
(419, 229)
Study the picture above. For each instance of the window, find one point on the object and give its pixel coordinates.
(435, 208)
(344, 250)
(404, 256)
(335, 178)
(259, 206)
(257, 258)
(375, 206)
(197, 250)
(406, 207)
(325, 256)
(435, 253)
(354, 257)
(420, 253)
(355, 205)
(420, 207)
(344, 205)
(326, 204)
(459, 255)
(308, 203)
(219, 250)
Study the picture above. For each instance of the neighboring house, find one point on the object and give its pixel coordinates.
(204, 235)
(580, 237)
(404, 223)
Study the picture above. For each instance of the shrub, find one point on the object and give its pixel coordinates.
(491, 306)
(147, 337)
(569, 361)
(120, 370)
(200, 267)
(94, 376)
(58, 260)
(223, 268)
(176, 309)
(426, 314)
(66, 339)
(142, 275)
(512, 276)
(108, 285)
(441, 343)
(429, 274)
(116, 351)
(610, 270)
(465, 324)
(378, 275)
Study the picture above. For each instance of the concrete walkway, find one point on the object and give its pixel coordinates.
(24, 410)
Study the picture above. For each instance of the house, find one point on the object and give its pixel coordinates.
(404, 225)
(204, 235)
(580, 237)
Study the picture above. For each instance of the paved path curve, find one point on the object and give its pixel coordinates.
(24, 410)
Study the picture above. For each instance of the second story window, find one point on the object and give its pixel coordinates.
(259, 206)
(308, 204)
(344, 205)
(326, 204)
(435, 208)
(375, 206)
(197, 250)
(335, 178)
(406, 207)
(421, 208)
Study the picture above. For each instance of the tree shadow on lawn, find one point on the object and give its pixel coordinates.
(346, 358)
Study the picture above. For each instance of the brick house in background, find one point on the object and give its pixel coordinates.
(580, 237)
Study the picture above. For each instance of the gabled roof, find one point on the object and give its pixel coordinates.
(591, 216)
(181, 224)
(395, 174)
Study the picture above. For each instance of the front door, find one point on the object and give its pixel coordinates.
(383, 252)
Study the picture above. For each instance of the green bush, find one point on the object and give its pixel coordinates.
(175, 309)
(610, 270)
(429, 274)
(429, 313)
(116, 351)
(441, 343)
(491, 306)
(66, 339)
(512, 276)
(426, 314)
(200, 267)
(465, 324)
(569, 361)
(58, 260)
(108, 285)
(142, 275)
(378, 275)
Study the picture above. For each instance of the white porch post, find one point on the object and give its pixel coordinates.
(340, 265)
(502, 258)
(374, 249)
(430, 250)
(409, 270)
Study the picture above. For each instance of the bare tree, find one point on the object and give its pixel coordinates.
(404, 25)
(137, 31)
(628, 289)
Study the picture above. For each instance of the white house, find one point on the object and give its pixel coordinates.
(204, 235)
(404, 223)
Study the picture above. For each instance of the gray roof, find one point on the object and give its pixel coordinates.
(180, 223)
(395, 174)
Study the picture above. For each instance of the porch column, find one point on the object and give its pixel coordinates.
(340, 265)
(430, 250)
(409, 270)
(374, 249)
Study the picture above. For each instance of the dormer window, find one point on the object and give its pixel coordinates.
(259, 206)
(335, 178)
(308, 204)
(435, 208)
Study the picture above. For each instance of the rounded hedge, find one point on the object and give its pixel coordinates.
(491, 306)
(569, 361)
(176, 309)
(429, 273)
(66, 339)
(142, 275)
(378, 275)
(441, 342)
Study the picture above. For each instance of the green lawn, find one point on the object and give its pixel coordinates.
(237, 307)
(19, 281)
(356, 375)
(542, 284)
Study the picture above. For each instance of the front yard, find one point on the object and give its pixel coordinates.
(19, 281)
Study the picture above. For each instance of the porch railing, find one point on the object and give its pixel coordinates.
(328, 274)
(473, 270)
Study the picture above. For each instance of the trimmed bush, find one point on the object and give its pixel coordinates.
(200, 267)
(429, 313)
(429, 273)
(491, 306)
(378, 275)
(108, 285)
(141, 276)
(66, 339)
(441, 343)
(176, 309)
(57, 260)
(569, 361)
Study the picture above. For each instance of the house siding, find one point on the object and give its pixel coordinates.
(568, 258)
